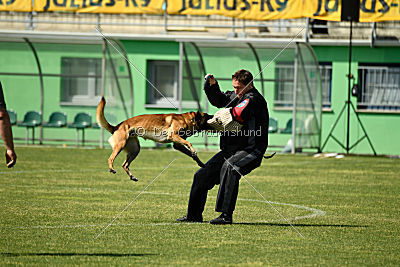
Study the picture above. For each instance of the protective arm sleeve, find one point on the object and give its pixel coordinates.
(245, 114)
(243, 111)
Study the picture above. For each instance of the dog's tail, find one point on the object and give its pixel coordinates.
(101, 120)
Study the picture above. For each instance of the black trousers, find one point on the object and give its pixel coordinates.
(221, 169)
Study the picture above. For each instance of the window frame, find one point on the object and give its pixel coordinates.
(93, 81)
(163, 102)
(282, 104)
(377, 88)
(279, 83)
(326, 66)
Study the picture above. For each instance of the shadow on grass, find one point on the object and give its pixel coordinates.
(58, 254)
(302, 225)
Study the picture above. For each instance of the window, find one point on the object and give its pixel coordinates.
(379, 87)
(284, 84)
(80, 81)
(326, 80)
(163, 74)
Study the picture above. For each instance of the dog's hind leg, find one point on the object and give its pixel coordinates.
(117, 147)
(132, 148)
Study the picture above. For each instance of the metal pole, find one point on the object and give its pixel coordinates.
(190, 77)
(165, 6)
(77, 137)
(294, 99)
(259, 67)
(349, 77)
(233, 33)
(103, 79)
(114, 72)
(118, 42)
(180, 77)
(307, 33)
(319, 104)
(31, 17)
(203, 68)
(41, 87)
(98, 21)
(373, 35)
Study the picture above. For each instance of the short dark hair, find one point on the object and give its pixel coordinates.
(243, 76)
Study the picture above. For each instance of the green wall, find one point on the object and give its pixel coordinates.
(383, 129)
(23, 92)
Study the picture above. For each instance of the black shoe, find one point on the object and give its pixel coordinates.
(224, 218)
(189, 219)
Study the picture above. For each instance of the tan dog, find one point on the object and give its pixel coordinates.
(161, 128)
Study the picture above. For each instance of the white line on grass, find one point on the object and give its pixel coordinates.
(266, 200)
(314, 213)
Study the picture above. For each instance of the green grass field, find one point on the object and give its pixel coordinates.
(56, 200)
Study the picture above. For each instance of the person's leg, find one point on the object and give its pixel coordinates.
(204, 179)
(241, 163)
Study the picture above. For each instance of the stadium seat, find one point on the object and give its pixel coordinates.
(95, 125)
(82, 121)
(56, 120)
(273, 125)
(13, 116)
(288, 128)
(32, 119)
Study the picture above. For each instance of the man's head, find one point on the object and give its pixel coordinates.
(242, 81)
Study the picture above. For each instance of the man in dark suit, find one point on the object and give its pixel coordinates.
(241, 152)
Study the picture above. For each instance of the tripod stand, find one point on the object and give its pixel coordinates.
(348, 104)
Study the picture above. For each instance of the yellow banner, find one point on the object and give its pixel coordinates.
(16, 5)
(101, 6)
(370, 10)
(379, 10)
(243, 9)
(323, 9)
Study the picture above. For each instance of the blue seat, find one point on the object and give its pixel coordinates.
(31, 120)
(82, 121)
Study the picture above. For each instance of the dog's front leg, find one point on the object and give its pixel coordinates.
(179, 140)
(180, 143)
(186, 151)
